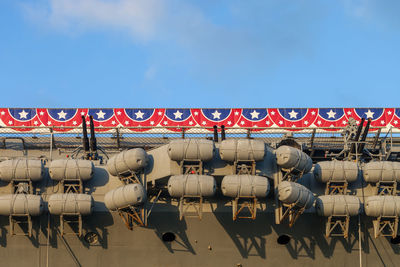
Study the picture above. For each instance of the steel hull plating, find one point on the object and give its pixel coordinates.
(216, 240)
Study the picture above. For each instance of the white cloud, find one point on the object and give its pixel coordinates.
(384, 13)
(150, 73)
(139, 17)
(257, 33)
(357, 8)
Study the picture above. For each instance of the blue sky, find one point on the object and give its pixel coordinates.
(181, 53)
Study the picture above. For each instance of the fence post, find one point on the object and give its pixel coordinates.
(51, 144)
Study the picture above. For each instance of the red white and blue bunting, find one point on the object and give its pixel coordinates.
(174, 119)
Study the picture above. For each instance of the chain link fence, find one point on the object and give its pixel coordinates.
(122, 138)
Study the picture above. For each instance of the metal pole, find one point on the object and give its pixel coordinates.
(215, 133)
(359, 219)
(359, 238)
(51, 144)
(48, 239)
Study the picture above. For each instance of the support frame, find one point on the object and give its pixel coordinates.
(337, 226)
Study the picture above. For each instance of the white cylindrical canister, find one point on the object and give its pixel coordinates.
(291, 192)
(71, 169)
(191, 149)
(245, 186)
(191, 185)
(242, 149)
(21, 204)
(126, 161)
(70, 203)
(338, 205)
(124, 196)
(294, 159)
(338, 171)
(21, 169)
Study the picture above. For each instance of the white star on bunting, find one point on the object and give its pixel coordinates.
(178, 115)
(254, 114)
(139, 115)
(293, 114)
(331, 114)
(23, 114)
(62, 114)
(100, 114)
(369, 114)
(216, 115)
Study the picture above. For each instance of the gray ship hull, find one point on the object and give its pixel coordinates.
(215, 240)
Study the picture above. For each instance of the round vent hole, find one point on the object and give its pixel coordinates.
(283, 239)
(395, 240)
(168, 237)
(92, 238)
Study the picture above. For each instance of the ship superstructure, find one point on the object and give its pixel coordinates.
(215, 187)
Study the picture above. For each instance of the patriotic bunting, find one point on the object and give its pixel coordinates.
(208, 117)
(293, 117)
(331, 117)
(257, 117)
(179, 118)
(380, 117)
(19, 117)
(176, 119)
(62, 119)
